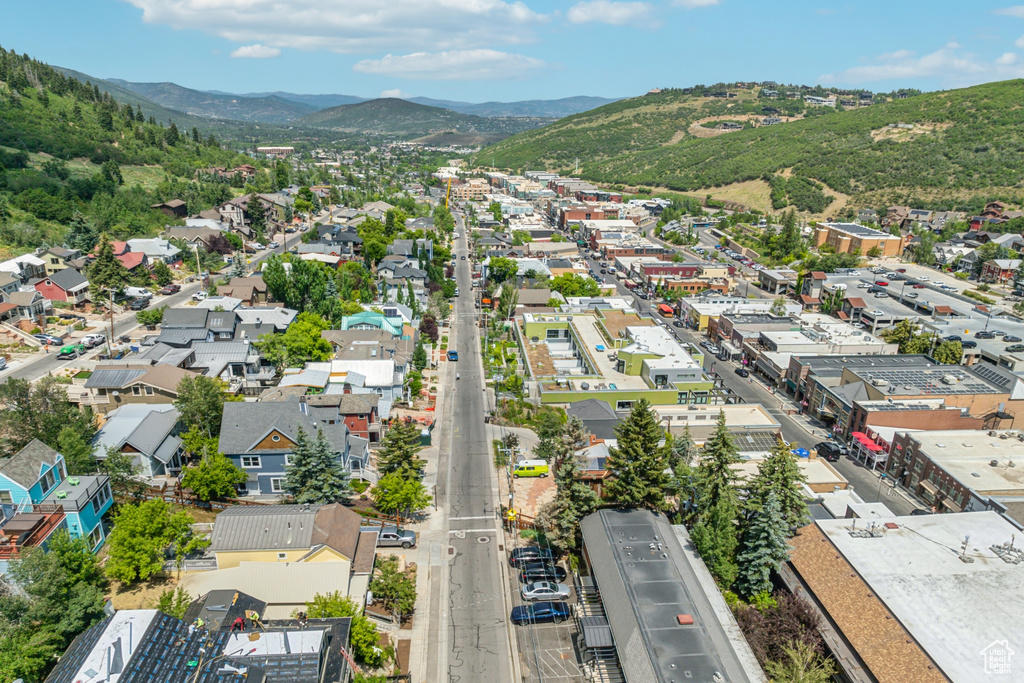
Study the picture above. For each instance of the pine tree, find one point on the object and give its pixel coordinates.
(638, 462)
(716, 479)
(419, 356)
(398, 449)
(316, 474)
(715, 537)
(107, 272)
(238, 265)
(764, 548)
(573, 501)
(779, 475)
(257, 214)
(681, 457)
(412, 302)
(162, 273)
(399, 295)
(171, 136)
(80, 235)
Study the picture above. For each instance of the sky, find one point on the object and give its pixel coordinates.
(485, 50)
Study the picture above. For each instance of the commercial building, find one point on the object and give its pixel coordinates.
(962, 469)
(698, 312)
(852, 238)
(929, 599)
(612, 355)
(275, 151)
(661, 614)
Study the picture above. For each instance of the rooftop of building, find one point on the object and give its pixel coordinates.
(857, 230)
(990, 462)
(648, 578)
(951, 580)
(659, 341)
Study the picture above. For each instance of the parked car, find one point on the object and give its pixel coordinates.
(742, 372)
(831, 450)
(532, 572)
(863, 285)
(201, 295)
(3, 362)
(923, 278)
(911, 295)
(920, 286)
(1010, 338)
(138, 292)
(882, 283)
(544, 590)
(1015, 348)
(968, 344)
(530, 553)
(93, 340)
(48, 339)
(984, 335)
(713, 350)
(139, 304)
(901, 270)
(541, 613)
(677, 323)
(453, 355)
(393, 537)
(169, 289)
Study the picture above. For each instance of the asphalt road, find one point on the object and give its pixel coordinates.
(42, 364)
(478, 638)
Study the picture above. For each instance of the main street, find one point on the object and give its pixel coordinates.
(473, 632)
(42, 364)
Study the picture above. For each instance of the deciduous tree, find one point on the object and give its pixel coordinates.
(401, 494)
(214, 476)
(141, 534)
(200, 403)
(40, 410)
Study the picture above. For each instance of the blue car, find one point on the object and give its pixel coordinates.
(541, 613)
(453, 355)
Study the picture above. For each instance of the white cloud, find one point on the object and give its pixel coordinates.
(945, 63)
(352, 26)
(395, 92)
(1006, 59)
(694, 4)
(454, 65)
(605, 12)
(256, 51)
(1019, 42)
(1015, 11)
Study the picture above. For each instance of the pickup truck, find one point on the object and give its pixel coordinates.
(393, 537)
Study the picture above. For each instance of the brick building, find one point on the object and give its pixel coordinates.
(852, 238)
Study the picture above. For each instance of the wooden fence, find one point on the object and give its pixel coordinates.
(179, 496)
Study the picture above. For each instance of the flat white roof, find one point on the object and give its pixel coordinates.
(816, 471)
(953, 609)
(274, 643)
(657, 340)
(738, 415)
(121, 637)
(967, 455)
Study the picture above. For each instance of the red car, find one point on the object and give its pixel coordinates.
(920, 286)
(170, 289)
(881, 283)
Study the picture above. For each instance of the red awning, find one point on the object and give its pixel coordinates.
(873, 447)
(859, 435)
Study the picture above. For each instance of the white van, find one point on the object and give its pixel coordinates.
(138, 293)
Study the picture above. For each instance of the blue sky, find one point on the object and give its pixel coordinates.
(477, 50)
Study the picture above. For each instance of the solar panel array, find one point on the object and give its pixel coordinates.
(928, 381)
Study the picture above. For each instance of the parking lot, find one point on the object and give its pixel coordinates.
(547, 652)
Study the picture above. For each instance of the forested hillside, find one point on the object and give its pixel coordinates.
(70, 154)
(953, 149)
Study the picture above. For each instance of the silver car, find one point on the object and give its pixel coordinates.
(393, 537)
(545, 590)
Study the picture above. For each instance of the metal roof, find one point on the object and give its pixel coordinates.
(646, 580)
(113, 378)
(266, 527)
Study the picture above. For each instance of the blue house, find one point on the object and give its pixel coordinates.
(260, 439)
(35, 487)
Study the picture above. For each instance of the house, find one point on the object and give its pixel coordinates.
(173, 208)
(156, 250)
(148, 645)
(425, 223)
(203, 235)
(236, 363)
(149, 433)
(37, 476)
(59, 258)
(999, 270)
(66, 285)
(358, 412)
(114, 384)
(251, 290)
(260, 439)
(30, 526)
(28, 306)
(662, 618)
(9, 284)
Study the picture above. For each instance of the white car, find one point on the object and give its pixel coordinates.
(201, 295)
(863, 285)
(854, 272)
(924, 278)
(93, 340)
(544, 590)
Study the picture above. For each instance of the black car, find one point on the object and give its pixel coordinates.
(539, 571)
(953, 337)
(831, 451)
(969, 344)
(139, 304)
(742, 372)
(677, 323)
(530, 553)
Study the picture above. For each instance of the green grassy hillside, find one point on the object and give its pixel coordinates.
(401, 118)
(72, 155)
(962, 146)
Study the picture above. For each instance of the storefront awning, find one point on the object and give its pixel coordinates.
(929, 487)
(950, 505)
